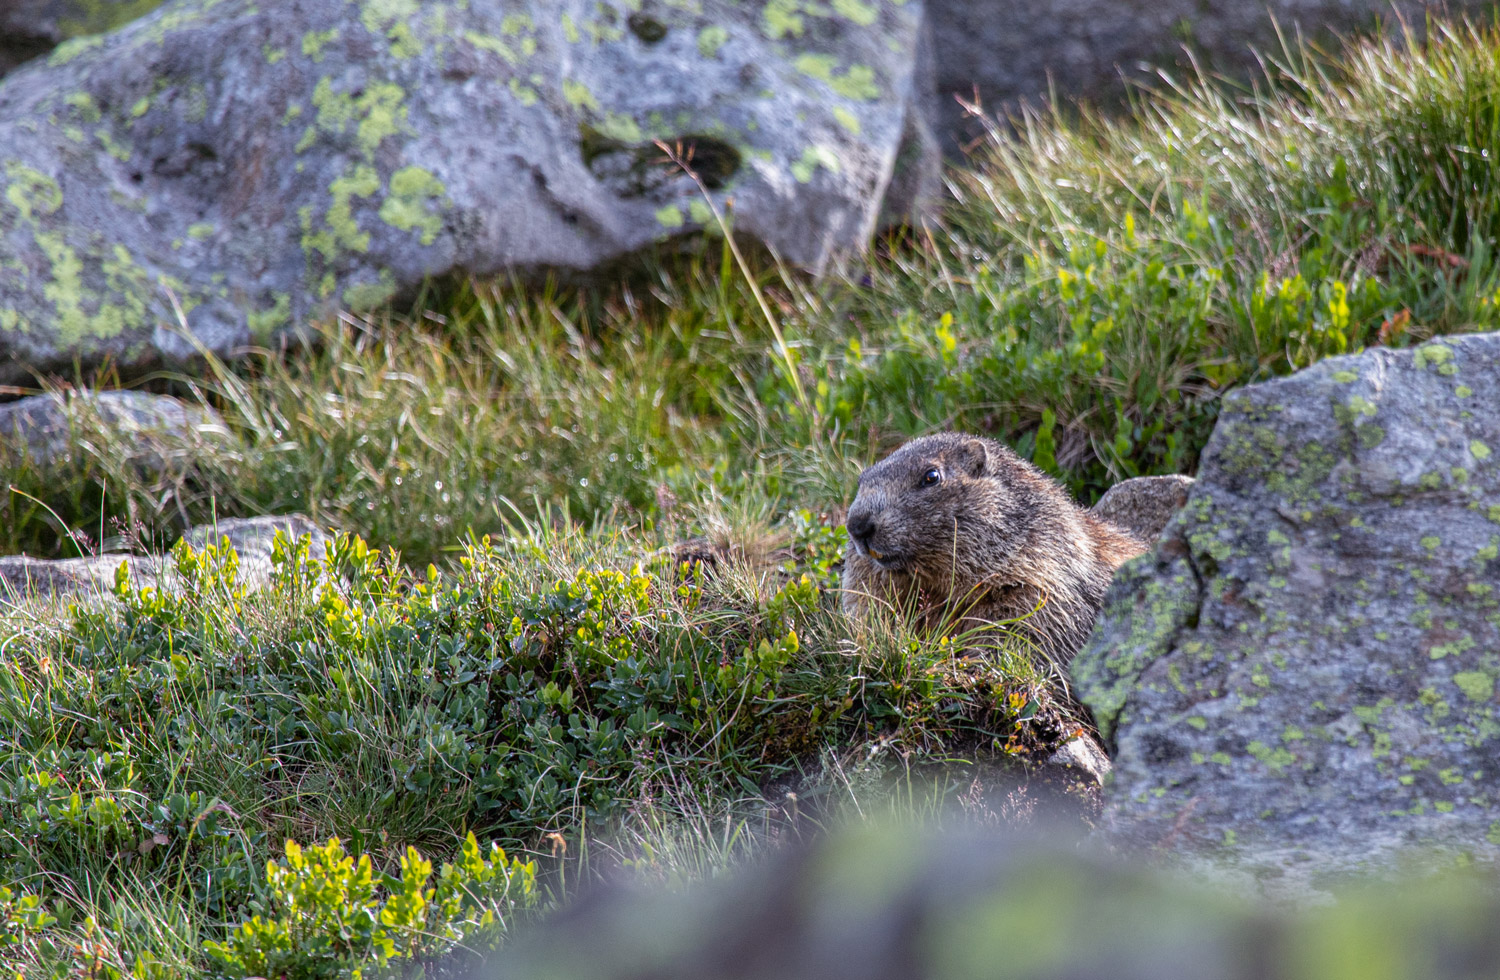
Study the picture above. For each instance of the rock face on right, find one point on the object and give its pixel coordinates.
(1300, 681)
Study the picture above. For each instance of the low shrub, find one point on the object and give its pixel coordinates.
(330, 916)
(168, 743)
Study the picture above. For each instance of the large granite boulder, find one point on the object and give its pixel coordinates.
(220, 171)
(1301, 679)
(1003, 51)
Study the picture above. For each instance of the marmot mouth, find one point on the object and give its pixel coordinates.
(885, 560)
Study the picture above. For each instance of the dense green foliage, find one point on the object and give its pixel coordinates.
(330, 919)
(169, 743)
(575, 679)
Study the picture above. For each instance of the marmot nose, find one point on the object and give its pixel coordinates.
(861, 527)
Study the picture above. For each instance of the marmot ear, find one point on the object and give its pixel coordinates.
(976, 457)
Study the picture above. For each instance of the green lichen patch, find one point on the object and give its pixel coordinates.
(370, 295)
(376, 113)
(670, 217)
(846, 119)
(857, 12)
(1276, 759)
(620, 128)
(782, 19)
(711, 39)
(85, 109)
(1369, 435)
(391, 19)
(264, 323)
(813, 158)
(409, 205)
(1432, 353)
(70, 49)
(856, 83)
(523, 93)
(578, 95)
(1476, 685)
(31, 192)
(508, 52)
(313, 42)
(339, 233)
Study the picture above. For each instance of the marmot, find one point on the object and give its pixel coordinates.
(959, 525)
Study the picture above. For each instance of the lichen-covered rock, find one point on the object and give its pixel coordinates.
(242, 167)
(1028, 49)
(147, 431)
(92, 579)
(1301, 678)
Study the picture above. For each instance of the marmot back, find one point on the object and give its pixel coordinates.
(959, 524)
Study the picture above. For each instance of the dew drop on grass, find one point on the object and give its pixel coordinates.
(583, 481)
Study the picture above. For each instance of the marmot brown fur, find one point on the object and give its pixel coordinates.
(958, 525)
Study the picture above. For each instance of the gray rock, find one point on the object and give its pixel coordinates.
(1145, 504)
(1300, 680)
(150, 432)
(1083, 756)
(253, 539)
(93, 579)
(1008, 50)
(243, 167)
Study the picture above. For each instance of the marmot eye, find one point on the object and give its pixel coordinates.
(932, 477)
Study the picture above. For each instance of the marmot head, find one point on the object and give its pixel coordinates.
(946, 506)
